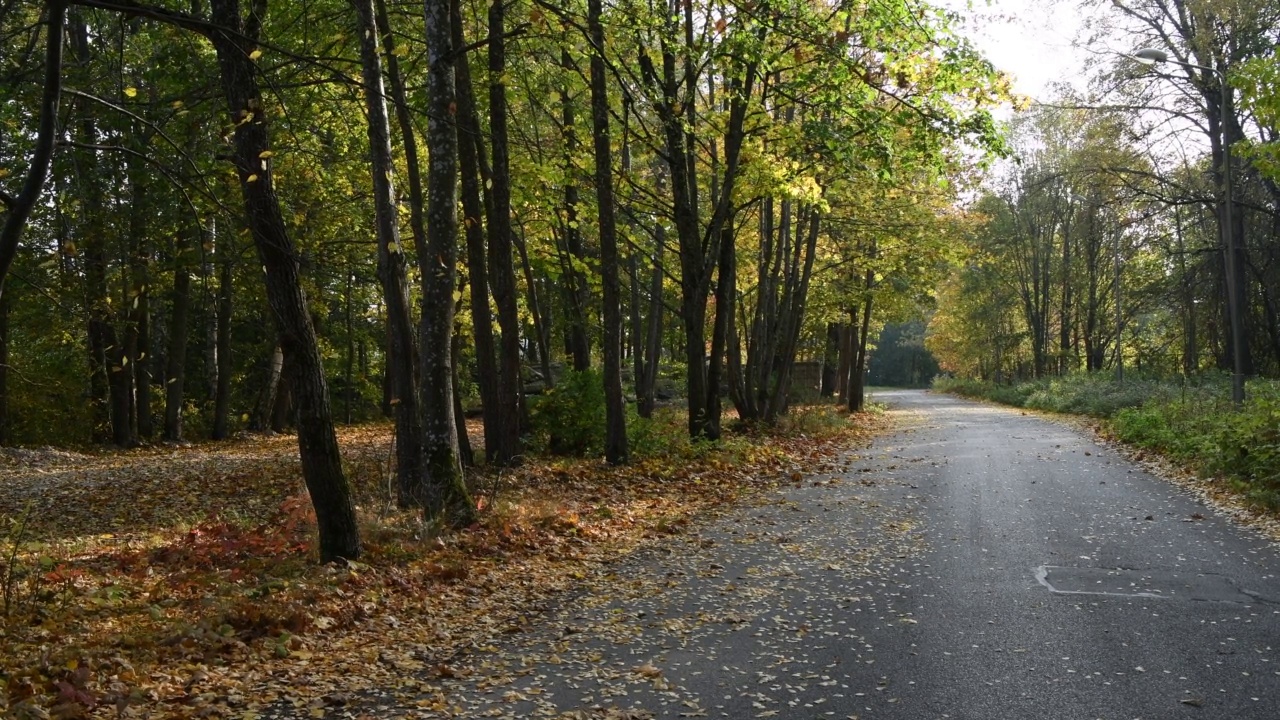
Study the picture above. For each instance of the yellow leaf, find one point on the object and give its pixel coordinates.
(251, 178)
(255, 54)
(130, 92)
(266, 153)
(176, 104)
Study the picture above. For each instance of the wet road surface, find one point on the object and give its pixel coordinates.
(978, 564)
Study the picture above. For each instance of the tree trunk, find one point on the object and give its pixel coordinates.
(465, 453)
(501, 268)
(542, 339)
(317, 442)
(646, 395)
(142, 365)
(445, 493)
(830, 360)
(616, 451)
(348, 371)
(18, 209)
(575, 285)
(699, 247)
(5, 433)
(795, 301)
(402, 352)
(470, 158)
(282, 410)
(845, 362)
(138, 298)
(222, 395)
(857, 379)
(176, 360)
(103, 385)
(260, 420)
(637, 323)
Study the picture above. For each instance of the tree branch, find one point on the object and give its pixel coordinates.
(171, 17)
(42, 156)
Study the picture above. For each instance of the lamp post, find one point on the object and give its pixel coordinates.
(1230, 245)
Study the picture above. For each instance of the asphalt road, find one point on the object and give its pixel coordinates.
(979, 564)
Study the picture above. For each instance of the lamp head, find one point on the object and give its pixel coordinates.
(1151, 56)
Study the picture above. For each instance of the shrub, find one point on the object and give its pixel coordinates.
(1247, 445)
(569, 419)
(662, 435)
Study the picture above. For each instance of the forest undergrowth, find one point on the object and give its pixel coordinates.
(183, 582)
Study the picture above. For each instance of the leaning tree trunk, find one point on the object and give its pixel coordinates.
(236, 48)
(18, 209)
(403, 352)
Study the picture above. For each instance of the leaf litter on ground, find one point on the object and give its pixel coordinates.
(181, 581)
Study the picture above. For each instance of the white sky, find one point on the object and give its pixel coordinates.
(1031, 40)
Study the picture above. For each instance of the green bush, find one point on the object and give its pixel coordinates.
(569, 419)
(659, 436)
(1248, 446)
(1093, 395)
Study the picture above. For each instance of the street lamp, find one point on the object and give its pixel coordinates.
(1230, 245)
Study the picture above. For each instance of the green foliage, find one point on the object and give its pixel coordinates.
(1094, 394)
(1083, 394)
(659, 436)
(1248, 446)
(968, 387)
(900, 358)
(1203, 431)
(1259, 83)
(569, 418)
(46, 379)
